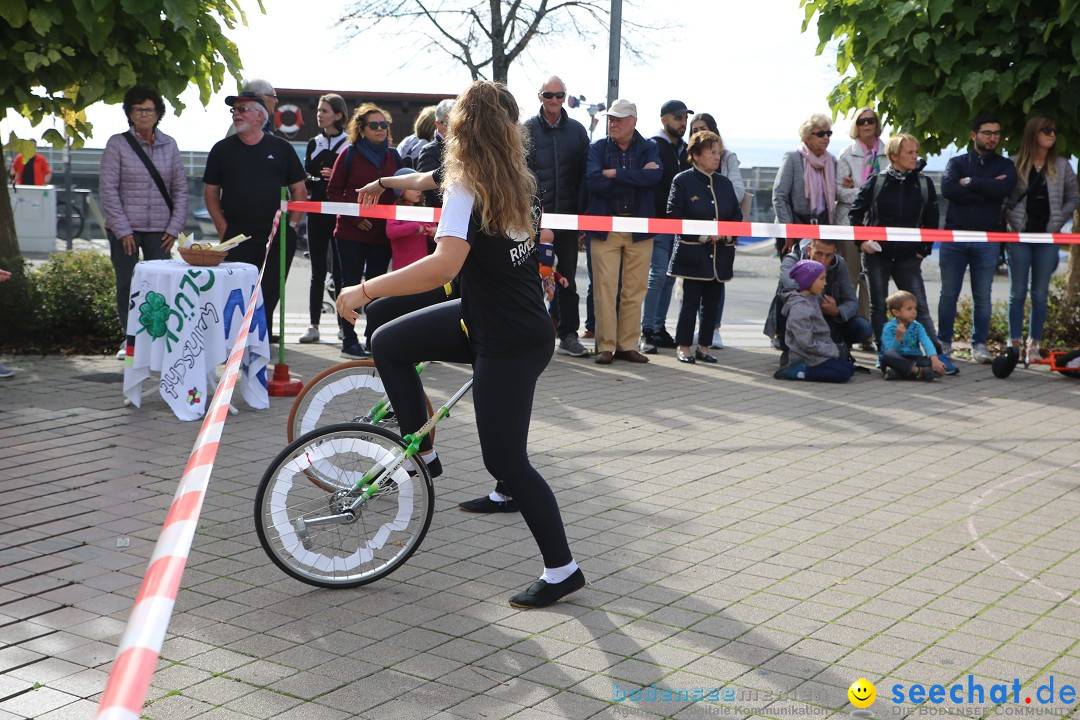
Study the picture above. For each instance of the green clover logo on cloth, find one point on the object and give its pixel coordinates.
(153, 314)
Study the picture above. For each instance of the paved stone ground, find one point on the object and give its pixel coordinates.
(778, 540)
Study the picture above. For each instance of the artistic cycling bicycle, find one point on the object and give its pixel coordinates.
(347, 504)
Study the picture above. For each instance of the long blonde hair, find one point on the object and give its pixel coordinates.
(486, 154)
(1025, 157)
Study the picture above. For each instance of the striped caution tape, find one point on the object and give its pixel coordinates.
(653, 226)
(140, 646)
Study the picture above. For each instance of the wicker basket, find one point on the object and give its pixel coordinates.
(201, 257)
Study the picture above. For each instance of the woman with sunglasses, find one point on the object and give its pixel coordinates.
(361, 248)
(487, 233)
(804, 191)
(1044, 198)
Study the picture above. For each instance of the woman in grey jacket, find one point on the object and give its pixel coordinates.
(1044, 198)
(805, 187)
(140, 215)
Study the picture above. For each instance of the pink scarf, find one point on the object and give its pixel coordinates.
(819, 176)
(873, 155)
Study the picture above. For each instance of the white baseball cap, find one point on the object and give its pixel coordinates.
(622, 108)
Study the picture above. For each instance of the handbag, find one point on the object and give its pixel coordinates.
(154, 174)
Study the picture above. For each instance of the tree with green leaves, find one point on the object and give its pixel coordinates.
(60, 56)
(929, 66)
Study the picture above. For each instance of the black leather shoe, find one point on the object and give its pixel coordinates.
(487, 505)
(704, 357)
(662, 339)
(542, 593)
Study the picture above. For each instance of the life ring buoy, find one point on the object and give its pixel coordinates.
(298, 119)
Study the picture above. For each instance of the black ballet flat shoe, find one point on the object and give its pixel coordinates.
(689, 359)
(704, 357)
(542, 593)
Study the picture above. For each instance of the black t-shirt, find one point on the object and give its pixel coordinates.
(502, 302)
(251, 178)
(1038, 202)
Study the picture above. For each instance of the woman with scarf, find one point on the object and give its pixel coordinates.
(361, 248)
(804, 191)
(860, 161)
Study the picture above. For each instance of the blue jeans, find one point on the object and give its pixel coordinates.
(954, 261)
(658, 296)
(833, 371)
(1039, 263)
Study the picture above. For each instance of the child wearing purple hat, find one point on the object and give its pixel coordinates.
(813, 355)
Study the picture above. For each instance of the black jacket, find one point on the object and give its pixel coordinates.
(557, 158)
(431, 158)
(673, 161)
(977, 206)
(899, 204)
(697, 196)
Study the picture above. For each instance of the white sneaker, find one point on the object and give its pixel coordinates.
(121, 354)
(312, 335)
(980, 354)
(717, 342)
(5, 371)
(1033, 354)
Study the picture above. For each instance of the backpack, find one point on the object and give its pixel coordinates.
(879, 183)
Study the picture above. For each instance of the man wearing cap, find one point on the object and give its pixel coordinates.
(622, 175)
(557, 155)
(669, 141)
(268, 94)
(242, 187)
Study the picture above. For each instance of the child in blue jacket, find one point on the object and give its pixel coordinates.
(906, 349)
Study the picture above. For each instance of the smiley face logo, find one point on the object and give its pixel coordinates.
(862, 693)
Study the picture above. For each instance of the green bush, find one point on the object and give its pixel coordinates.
(1062, 329)
(66, 305)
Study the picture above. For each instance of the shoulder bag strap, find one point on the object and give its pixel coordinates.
(150, 168)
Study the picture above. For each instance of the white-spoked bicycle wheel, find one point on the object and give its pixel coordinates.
(301, 507)
(344, 393)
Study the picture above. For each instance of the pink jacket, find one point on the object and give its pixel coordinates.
(408, 241)
(131, 199)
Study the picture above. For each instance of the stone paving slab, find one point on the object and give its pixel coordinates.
(769, 542)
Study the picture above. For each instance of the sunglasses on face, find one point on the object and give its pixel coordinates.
(866, 121)
(239, 109)
(1048, 130)
(550, 95)
(822, 133)
(381, 125)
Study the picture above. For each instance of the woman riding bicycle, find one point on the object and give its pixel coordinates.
(500, 325)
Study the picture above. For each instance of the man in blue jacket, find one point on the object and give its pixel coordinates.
(976, 185)
(622, 173)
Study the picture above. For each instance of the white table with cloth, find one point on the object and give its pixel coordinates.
(183, 321)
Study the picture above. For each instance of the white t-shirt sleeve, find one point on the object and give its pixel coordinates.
(456, 213)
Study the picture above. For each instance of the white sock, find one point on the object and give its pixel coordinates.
(429, 456)
(554, 576)
(498, 497)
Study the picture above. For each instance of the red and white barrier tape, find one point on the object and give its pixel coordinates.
(652, 226)
(140, 646)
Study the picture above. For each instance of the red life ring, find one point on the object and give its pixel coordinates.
(298, 119)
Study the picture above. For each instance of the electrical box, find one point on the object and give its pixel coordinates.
(34, 207)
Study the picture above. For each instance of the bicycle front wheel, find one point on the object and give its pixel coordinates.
(344, 393)
(302, 507)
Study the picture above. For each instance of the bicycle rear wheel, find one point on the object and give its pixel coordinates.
(343, 393)
(304, 525)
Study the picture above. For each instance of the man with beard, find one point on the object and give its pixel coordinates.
(242, 188)
(976, 185)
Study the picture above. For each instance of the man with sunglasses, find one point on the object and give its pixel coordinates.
(266, 92)
(557, 156)
(673, 160)
(976, 185)
(242, 188)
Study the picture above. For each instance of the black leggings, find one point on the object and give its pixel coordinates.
(320, 228)
(503, 389)
(382, 310)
